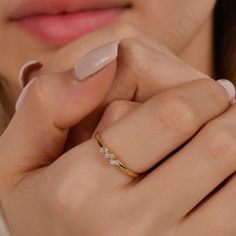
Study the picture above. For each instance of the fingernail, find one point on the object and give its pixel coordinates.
(23, 93)
(96, 60)
(28, 71)
(234, 101)
(229, 87)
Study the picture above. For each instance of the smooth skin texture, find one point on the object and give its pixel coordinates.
(183, 26)
(65, 192)
(78, 179)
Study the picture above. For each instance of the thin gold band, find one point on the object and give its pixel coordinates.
(112, 158)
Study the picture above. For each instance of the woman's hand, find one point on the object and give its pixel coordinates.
(78, 192)
(144, 70)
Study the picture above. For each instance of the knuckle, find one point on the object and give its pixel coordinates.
(116, 109)
(126, 30)
(219, 144)
(134, 43)
(141, 54)
(139, 57)
(176, 114)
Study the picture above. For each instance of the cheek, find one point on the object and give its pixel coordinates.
(174, 22)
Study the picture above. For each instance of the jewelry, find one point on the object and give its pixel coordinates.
(112, 158)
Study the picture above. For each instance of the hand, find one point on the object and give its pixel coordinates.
(139, 76)
(60, 198)
(144, 70)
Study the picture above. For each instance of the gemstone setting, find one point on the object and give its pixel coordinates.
(109, 156)
(115, 162)
(104, 150)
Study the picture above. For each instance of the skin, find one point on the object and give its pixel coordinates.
(174, 104)
(182, 26)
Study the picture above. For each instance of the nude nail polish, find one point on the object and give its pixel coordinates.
(96, 60)
(234, 101)
(229, 87)
(27, 72)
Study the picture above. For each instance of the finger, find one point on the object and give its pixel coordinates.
(114, 112)
(116, 31)
(146, 135)
(90, 158)
(215, 216)
(165, 122)
(143, 68)
(143, 72)
(50, 105)
(144, 65)
(195, 171)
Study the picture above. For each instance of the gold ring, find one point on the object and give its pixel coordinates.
(112, 157)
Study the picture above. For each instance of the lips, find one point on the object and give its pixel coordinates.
(61, 21)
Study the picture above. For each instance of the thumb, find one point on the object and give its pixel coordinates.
(50, 105)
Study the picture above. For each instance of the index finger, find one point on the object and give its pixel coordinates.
(69, 54)
(143, 63)
(143, 71)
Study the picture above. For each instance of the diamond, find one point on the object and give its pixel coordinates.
(103, 150)
(109, 156)
(115, 162)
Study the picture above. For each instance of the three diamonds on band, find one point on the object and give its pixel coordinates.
(109, 156)
(112, 158)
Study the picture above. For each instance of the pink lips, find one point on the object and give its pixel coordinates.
(59, 21)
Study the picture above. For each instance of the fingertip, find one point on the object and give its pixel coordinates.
(229, 87)
(28, 72)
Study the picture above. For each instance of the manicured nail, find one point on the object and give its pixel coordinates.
(28, 71)
(229, 87)
(234, 101)
(23, 93)
(96, 60)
